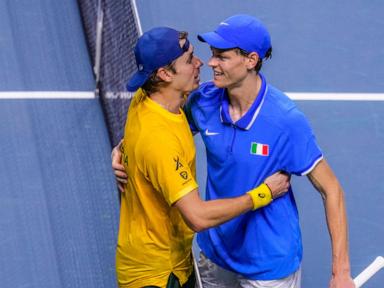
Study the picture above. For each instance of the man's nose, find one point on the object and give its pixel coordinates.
(198, 62)
(212, 62)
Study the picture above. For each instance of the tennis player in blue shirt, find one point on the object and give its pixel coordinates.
(251, 130)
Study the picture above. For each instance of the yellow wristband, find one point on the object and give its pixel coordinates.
(261, 196)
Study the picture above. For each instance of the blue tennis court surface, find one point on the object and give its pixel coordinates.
(58, 204)
(58, 201)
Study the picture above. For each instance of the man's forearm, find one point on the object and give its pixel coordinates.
(200, 215)
(337, 225)
(327, 184)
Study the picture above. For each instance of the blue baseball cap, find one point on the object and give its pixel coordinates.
(156, 48)
(240, 31)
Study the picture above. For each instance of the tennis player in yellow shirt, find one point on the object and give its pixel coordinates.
(160, 206)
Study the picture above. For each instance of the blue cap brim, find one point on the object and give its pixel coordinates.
(137, 80)
(216, 41)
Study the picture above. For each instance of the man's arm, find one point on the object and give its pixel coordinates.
(275, 182)
(324, 180)
(200, 215)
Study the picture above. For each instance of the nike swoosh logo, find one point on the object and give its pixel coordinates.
(210, 133)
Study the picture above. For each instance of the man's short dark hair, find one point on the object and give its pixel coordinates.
(259, 64)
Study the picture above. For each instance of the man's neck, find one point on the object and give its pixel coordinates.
(242, 97)
(169, 100)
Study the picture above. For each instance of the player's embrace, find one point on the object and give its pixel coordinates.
(160, 206)
(250, 130)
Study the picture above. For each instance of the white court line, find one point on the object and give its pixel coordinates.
(91, 95)
(47, 95)
(336, 96)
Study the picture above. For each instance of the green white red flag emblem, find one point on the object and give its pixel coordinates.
(259, 149)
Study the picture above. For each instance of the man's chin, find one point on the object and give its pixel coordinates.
(196, 85)
(218, 84)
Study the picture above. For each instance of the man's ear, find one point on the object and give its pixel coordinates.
(252, 60)
(164, 74)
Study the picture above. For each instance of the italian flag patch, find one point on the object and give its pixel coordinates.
(259, 149)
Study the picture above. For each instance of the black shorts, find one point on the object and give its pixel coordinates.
(173, 282)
